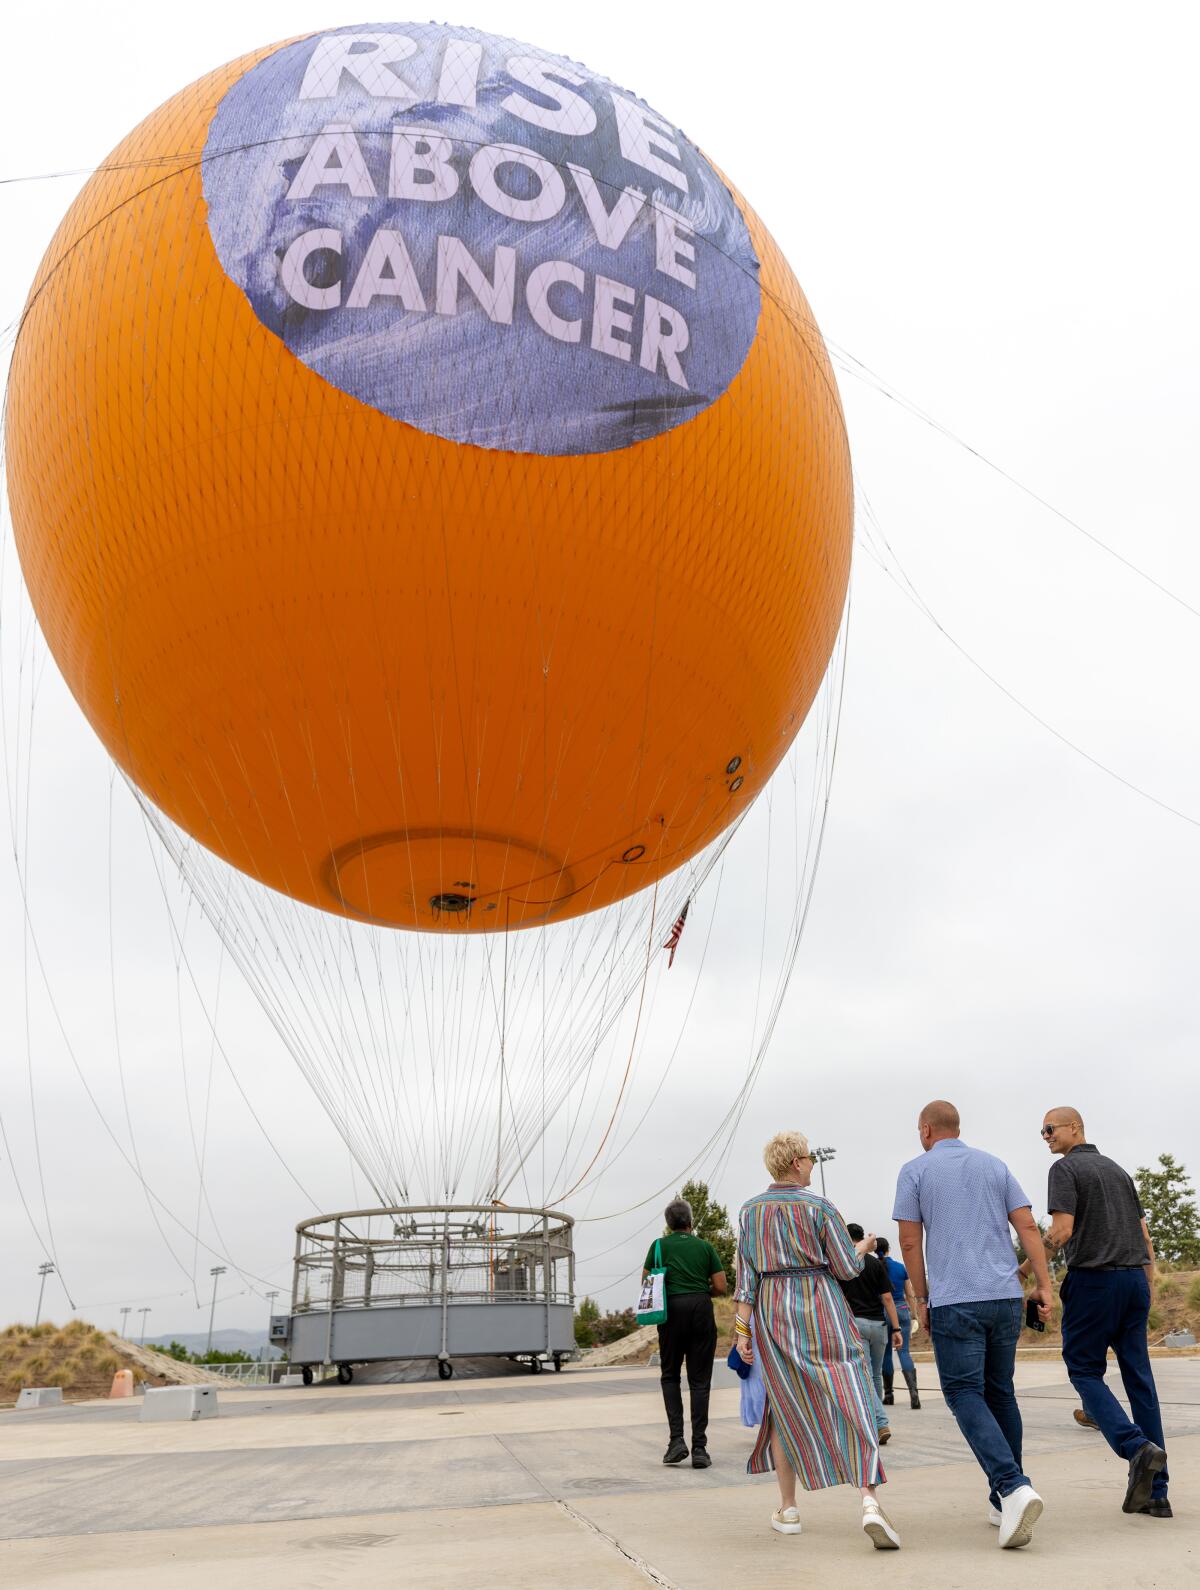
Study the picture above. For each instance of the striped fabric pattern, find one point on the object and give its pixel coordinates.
(818, 1385)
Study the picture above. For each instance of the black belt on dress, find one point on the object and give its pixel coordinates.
(811, 1269)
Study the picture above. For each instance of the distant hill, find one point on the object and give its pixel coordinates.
(225, 1341)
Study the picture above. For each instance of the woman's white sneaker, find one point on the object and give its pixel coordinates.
(787, 1521)
(878, 1528)
(1019, 1512)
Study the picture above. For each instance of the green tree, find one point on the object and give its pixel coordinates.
(586, 1318)
(214, 1356)
(710, 1220)
(1169, 1201)
(593, 1329)
(177, 1351)
(611, 1327)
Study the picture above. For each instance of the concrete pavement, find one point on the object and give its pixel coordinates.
(553, 1481)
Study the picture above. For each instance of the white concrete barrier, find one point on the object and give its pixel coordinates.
(290, 1380)
(39, 1397)
(179, 1402)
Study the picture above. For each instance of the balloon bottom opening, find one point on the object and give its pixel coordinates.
(451, 879)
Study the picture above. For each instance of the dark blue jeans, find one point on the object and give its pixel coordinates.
(975, 1345)
(906, 1362)
(1103, 1309)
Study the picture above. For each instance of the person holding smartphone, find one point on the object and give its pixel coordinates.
(955, 1205)
(1096, 1217)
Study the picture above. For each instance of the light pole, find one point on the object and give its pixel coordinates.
(218, 1269)
(125, 1313)
(821, 1155)
(270, 1306)
(43, 1270)
(142, 1338)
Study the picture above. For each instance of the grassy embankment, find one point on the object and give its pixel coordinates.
(80, 1359)
(75, 1356)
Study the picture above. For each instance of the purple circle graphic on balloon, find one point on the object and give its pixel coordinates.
(479, 239)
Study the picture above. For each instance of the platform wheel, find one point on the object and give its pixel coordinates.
(536, 1365)
(558, 1363)
(345, 1373)
(306, 1373)
(445, 1369)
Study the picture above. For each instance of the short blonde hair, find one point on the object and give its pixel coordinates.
(783, 1148)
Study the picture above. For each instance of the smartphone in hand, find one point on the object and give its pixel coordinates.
(1032, 1322)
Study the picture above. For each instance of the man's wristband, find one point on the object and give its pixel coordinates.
(923, 1300)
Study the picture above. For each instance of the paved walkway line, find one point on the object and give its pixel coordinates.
(646, 1569)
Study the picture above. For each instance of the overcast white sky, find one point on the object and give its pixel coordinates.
(992, 208)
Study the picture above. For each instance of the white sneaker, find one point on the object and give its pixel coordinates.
(1019, 1512)
(878, 1527)
(994, 1516)
(787, 1521)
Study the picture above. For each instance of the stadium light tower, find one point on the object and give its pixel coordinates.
(821, 1155)
(218, 1269)
(271, 1296)
(43, 1270)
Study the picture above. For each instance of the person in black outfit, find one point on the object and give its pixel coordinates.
(869, 1296)
(1097, 1218)
(695, 1274)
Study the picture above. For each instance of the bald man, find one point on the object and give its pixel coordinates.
(1097, 1218)
(962, 1202)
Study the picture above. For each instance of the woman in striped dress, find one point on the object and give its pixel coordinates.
(819, 1423)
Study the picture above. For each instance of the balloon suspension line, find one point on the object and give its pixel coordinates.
(503, 1033)
(612, 1120)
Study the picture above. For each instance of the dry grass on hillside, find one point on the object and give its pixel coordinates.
(82, 1360)
(76, 1356)
(1176, 1303)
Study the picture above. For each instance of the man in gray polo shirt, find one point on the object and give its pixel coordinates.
(1096, 1217)
(964, 1201)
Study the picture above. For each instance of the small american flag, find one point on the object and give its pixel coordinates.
(672, 943)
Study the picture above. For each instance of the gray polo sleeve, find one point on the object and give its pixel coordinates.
(1060, 1189)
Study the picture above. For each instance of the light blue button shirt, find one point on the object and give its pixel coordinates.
(962, 1197)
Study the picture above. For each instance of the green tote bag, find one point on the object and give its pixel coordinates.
(652, 1304)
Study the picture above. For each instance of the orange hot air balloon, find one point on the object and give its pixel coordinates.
(429, 478)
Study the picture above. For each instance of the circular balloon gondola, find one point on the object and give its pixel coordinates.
(438, 1284)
